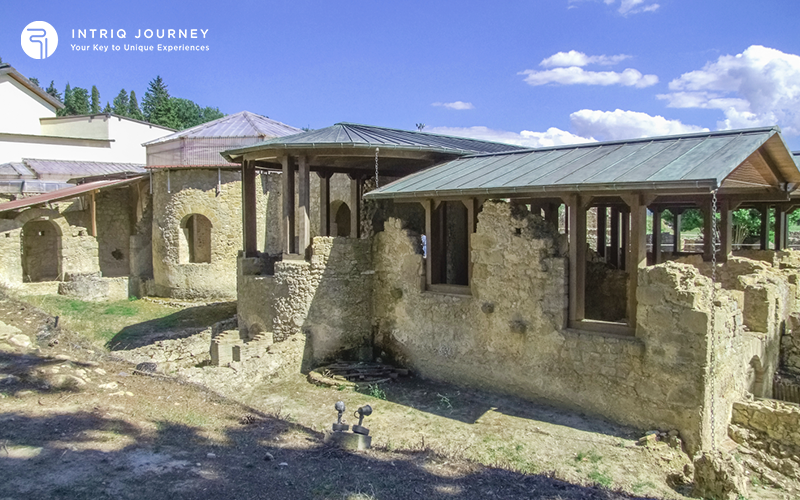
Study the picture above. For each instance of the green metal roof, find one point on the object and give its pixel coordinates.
(701, 160)
(351, 135)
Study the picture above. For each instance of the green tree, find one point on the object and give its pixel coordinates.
(133, 108)
(67, 92)
(95, 108)
(53, 91)
(77, 102)
(121, 103)
(211, 114)
(35, 81)
(107, 110)
(157, 106)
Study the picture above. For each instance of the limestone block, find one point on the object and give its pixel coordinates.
(718, 475)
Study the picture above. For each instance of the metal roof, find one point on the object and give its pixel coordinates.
(64, 194)
(15, 170)
(79, 168)
(241, 124)
(702, 160)
(351, 135)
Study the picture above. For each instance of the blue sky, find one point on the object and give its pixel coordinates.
(534, 72)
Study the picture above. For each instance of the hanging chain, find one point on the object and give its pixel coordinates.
(376, 167)
(715, 242)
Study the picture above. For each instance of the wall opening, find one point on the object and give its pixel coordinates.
(341, 219)
(449, 245)
(196, 241)
(41, 251)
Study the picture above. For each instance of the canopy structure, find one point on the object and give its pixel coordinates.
(347, 148)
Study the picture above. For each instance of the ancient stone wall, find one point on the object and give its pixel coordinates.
(114, 231)
(775, 420)
(197, 191)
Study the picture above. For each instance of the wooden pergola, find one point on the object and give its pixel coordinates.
(741, 168)
(355, 150)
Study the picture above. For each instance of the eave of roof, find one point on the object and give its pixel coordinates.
(65, 194)
(237, 125)
(7, 69)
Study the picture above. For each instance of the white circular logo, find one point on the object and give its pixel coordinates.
(39, 40)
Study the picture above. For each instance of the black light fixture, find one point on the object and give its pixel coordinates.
(362, 412)
(339, 426)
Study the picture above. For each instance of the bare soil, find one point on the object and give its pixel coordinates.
(76, 423)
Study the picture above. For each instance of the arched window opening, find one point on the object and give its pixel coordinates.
(41, 251)
(342, 220)
(196, 247)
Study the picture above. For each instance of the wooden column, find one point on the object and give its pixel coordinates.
(288, 205)
(657, 236)
(577, 258)
(708, 243)
(432, 237)
(637, 253)
(602, 213)
(678, 219)
(304, 205)
(551, 214)
(324, 203)
(764, 239)
(725, 231)
(356, 184)
(613, 258)
(472, 225)
(625, 233)
(93, 213)
(780, 227)
(249, 220)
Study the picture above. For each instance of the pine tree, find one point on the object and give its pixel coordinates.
(133, 108)
(95, 100)
(65, 111)
(78, 102)
(53, 91)
(121, 103)
(157, 106)
(107, 109)
(35, 81)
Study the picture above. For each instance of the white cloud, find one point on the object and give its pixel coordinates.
(619, 124)
(575, 76)
(458, 105)
(575, 58)
(552, 137)
(760, 86)
(634, 6)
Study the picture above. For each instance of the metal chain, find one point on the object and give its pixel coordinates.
(715, 241)
(376, 167)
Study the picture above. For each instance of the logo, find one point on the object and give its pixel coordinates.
(39, 40)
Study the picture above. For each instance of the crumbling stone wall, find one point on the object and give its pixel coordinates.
(114, 231)
(194, 191)
(324, 301)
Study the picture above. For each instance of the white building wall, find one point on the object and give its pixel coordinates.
(20, 108)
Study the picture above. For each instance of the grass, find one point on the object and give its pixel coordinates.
(601, 478)
(375, 391)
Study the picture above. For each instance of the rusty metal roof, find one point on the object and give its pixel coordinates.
(65, 194)
(352, 135)
(699, 161)
(241, 124)
(79, 168)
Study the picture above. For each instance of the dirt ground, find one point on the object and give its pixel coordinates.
(77, 423)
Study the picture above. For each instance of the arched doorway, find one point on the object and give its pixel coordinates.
(341, 219)
(196, 241)
(41, 251)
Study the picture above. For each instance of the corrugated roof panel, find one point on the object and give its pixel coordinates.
(80, 168)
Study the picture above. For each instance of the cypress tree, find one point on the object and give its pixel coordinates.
(35, 81)
(95, 100)
(65, 110)
(77, 102)
(53, 91)
(121, 103)
(133, 108)
(107, 109)
(157, 106)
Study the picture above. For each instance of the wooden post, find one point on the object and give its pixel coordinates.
(551, 214)
(249, 222)
(678, 219)
(625, 233)
(92, 215)
(356, 184)
(725, 231)
(764, 239)
(780, 227)
(613, 258)
(288, 205)
(324, 203)
(637, 254)
(601, 230)
(577, 258)
(657, 236)
(708, 243)
(472, 225)
(432, 239)
(304, 205)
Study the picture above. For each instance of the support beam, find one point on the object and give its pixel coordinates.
(288, 205)
(324, 203)
(613, 257)
(764, 239)
(625, 236)
(577, 259)
(93, 213)
(356, 185)
(249, 221)
(551, 214)
(725, 231)
(657, 237)
(432, 237)
(304, 205)
(677, 244)
(781, 231)
(708, 236)
(637, 254)
(602, 213)
(472, 225)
